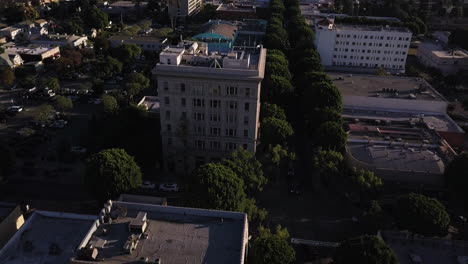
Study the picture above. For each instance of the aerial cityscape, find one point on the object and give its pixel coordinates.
(233, 131)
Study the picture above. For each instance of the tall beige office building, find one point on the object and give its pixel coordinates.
(183, 8)
(210, 103)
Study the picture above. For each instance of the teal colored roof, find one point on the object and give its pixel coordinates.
(210, 35)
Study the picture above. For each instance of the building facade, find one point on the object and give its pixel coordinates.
(362, 47)
(432, 54)
(210, 104)
(183, 8)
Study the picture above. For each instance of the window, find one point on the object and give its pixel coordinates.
(198, 102)
(166, 100)
(231, 118)
(246, 133)
(246, 107)
(247, 92)
(168, 115)
(198, 130)
(215, 118)
(232, 132)
(216, 90)
(230, 90)
(168, 127)
(246, 120)
(230, 146)
(169, 141)
(215, 131)
(199, 144)
(183, 115)
(182, 87)
(215, 103)
(199, 116)
(182, 101)
(168, 61)
(232, 104)
(215, 145)
(165, 86)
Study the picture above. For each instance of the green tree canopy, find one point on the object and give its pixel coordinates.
(365, 249)
(218, 187)
(422, 215)
(274, 68)
(109, 104)
(108, 67)
(271, 248)
(320, 95)
(277, 56)
(274, 88)
(456, 175)
(275, 131)
(63, 103)
(367, 181)
(7, 76)
(53, 84)
(272, 110)
(110, 173)
(126, 52)
(44, 113)
(329, 164)
(135, 83)
(93, 17)
(330, 135)
(244, 164)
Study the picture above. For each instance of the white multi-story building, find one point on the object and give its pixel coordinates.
(362, 47)
(183, 8)
(448, 61)
(210, 103)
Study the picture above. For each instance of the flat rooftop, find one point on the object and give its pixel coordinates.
(440, 51)
(428, 250)
(135, 38)
(398, 157)
(30, 50)
(46, 238)
(174, 235)
(384, 87)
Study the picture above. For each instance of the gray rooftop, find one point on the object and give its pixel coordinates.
(428, 250)
(135, 38)
(385, 87)
(398, 158)
(41, 234)
(175, 235)
(346, 27)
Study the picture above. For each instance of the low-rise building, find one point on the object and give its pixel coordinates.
(34, 53)
(10, 32)
(448, 61)
(398, 128)
(10, 59)
(133, 232)
(124, 10)
(60, 40)
(361, 48)
(47, 237)
(146, 43)
(232, 11)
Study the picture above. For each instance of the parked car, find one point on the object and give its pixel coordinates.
(148, 185)
(295, 189)
(169, 187)
(77, 149)
(14, 109)
(59, 124)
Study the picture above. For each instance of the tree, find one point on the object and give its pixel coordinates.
(276, 88)
(109, 104)
(456, 175)
(367, 182)
(329, 164)
(271, 248)
(422, 215)
(63, 103)
(29, 13)
(275, 131)
(44, 113)
(108, 67)
(244, 164)
(53, 84)
(126, 52)
(218, 187)
(136, 83)
(7, 76)
(274, 68)
(330, 135)
(93, 17)
(373, 218)
(277, 56)
(101, 44)
(272, 110)
(320, 95)
(111, 172)
(366, 250)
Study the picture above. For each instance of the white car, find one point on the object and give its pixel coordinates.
(77, 149)
(148, 185)
(169, 187)
(15, 109)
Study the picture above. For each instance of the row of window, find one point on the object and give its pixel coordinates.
(216, 131)
(229, 90)
(371, 37)
(387, 45)
(367, 58)
(213, 117)
(213, 103)
(370, 51)
(370, 65)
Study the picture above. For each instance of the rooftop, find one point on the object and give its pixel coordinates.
(47, 237)
(236, 7)
(346, 27)
(30, 50)
(218, 27)
(58, 37)
(427, 250)
(440, 51)
(135, 38)
(385, 87)
(126, 4)
(173, 235)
